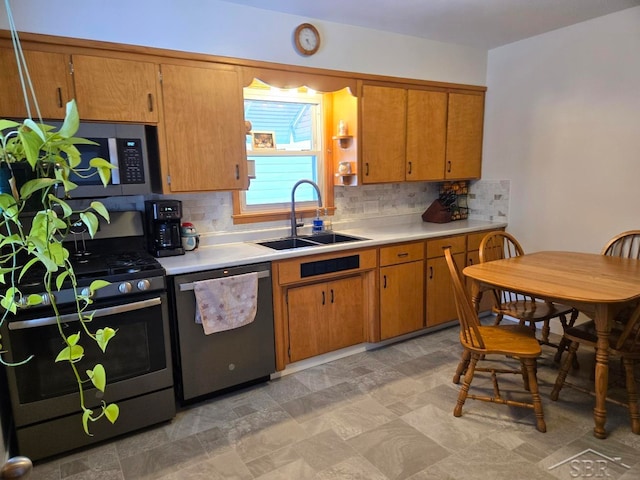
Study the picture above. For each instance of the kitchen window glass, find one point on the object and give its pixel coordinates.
(285, 143)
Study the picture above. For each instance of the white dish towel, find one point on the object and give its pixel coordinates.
(226, 303)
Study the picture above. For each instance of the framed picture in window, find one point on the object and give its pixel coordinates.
(263, 140)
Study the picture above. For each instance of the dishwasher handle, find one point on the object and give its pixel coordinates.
(186, 287)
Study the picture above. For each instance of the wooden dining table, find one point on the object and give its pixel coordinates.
(597, 285)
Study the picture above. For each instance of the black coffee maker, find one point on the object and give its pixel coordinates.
(162, 218)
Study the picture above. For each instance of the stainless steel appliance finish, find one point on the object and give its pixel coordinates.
(208, 363)
(43, 395)
(128, 147)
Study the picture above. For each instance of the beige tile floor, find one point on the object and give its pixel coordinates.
(383, 414)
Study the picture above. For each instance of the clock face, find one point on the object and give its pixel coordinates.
(307, 39)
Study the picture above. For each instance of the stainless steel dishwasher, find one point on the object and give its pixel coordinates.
(209, 363)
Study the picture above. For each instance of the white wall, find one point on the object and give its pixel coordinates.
(562, 122)
(221, 28)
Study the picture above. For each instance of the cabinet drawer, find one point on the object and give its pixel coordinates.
(457, 244)
(402, 253)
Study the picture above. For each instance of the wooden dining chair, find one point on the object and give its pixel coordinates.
(625, 245)
(624, 341)
(480, 342)
(526, 309)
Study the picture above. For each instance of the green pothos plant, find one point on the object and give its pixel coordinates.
(52, 156)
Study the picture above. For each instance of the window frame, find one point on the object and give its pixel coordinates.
(325, 177)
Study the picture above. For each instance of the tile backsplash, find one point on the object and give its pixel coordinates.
(211, 212)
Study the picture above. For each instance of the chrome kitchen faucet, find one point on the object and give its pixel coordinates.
(294, 222)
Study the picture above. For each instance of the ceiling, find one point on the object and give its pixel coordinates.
(482, 24)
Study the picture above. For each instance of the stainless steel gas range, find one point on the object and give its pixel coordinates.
(43, 395)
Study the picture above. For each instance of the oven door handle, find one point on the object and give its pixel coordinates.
(73, 317)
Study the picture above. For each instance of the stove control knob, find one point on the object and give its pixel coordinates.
(46, 299)
(144, 284)
(124, 287)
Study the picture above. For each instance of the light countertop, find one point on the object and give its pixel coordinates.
(240, 248)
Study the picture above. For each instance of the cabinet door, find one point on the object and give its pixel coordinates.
(441, 305)
(205, 134)
(309, 321)
(383, 118)
(401, 299)
(426, 135)
(464, 136)
(346, 300)
(51, 79)
(112, 89)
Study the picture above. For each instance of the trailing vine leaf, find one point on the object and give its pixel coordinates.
(97, 284)
(70, 353)
(8, 300)
(67, 211)
(86, 416)
(7, 124)
(112, 411)
(103, 167)
(101, 210)
(61, 278)
(71, 120)
(103, 335)
(98, 377)
(32, 186)
(33, 300)
(91, 221)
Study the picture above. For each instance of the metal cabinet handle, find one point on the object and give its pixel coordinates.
(403, 254)
(323, 299)
(430, 273)
(59, 97)
(410, 165)
(332, 299)
(366, 170)
(237, 172)
(150, 99)
(449, 166)
(384, 282)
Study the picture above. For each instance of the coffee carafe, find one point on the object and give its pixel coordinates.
(162, 219)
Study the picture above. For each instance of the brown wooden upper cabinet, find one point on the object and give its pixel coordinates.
(420, 135)
(113, 89)
(464, 136)
(51, 79)
(205, 130)
(105, 89)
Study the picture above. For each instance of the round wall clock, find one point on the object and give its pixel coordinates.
(307, 39)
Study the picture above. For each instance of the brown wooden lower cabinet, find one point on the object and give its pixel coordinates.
(441, 307)
(401, 285)
(323, 303)
(325, 317)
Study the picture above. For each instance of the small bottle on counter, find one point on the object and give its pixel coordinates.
(317, 223)
(326, 220)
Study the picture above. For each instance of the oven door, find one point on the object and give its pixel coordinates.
(137, 360)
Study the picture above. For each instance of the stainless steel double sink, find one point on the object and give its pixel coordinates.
(309, 241)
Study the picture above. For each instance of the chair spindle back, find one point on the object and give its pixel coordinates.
(625, 245)
(467, 316)
(498, 246)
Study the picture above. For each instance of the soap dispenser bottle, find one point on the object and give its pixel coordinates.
(317, 223)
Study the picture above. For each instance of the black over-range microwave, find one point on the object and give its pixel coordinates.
(127, 147)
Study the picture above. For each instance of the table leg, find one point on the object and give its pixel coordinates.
(603, 319)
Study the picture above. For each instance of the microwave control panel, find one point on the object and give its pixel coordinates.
(131, 165)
